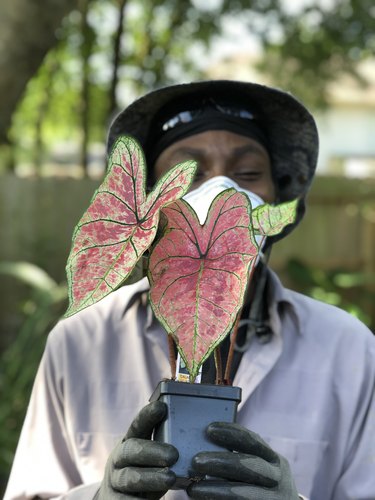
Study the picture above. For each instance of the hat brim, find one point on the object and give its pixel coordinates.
(291, 130)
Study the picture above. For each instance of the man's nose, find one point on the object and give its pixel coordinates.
(216, 167)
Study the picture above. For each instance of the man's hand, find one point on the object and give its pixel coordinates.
(138, 467)
(251, 470)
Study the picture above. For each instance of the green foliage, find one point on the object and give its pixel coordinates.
(149, 58)
(52, 99)
(312, 43)
(317, 44)
(161, 55)
(19, 362)
(353, 292)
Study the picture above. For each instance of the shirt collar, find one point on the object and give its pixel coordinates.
(283, 298)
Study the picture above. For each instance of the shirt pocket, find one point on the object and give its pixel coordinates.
(304, 457)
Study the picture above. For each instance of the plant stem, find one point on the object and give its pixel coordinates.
(218, 366)
(172, 356)
(233, 338)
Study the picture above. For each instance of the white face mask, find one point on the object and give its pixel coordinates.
(202, 197)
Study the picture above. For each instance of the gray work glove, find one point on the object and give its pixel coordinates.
(250, 470)
(138, 467)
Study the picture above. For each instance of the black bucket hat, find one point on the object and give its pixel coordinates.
(292, 135)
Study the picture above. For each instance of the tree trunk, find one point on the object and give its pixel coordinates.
(27, 32)
(86, 51)
(113, 107)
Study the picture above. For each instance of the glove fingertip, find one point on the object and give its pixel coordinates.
(173, 455)
(198, 460)
(214, 430)
(148, 417)
(171, 479)
(218, 426)
(157, 409)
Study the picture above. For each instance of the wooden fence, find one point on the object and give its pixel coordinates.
(338, 230)
(37, 217)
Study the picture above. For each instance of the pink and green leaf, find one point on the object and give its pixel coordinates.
(120, 224)
(198, 274)
(269, 220)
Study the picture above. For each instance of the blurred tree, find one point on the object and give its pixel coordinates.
(27, 33)
(122, 48)
(50, 69)
(307, 49)
(88, 37)
(116, 57)
(87, 78)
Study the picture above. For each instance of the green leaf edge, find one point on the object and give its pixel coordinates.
(128, 140)
(195, 368)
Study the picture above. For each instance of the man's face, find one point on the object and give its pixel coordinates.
(219, 152)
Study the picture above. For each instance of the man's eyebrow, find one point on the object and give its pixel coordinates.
(248, 148)
(188, 150)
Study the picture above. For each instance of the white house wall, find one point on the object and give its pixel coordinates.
(346, 133)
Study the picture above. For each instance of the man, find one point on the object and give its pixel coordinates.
(306, 369)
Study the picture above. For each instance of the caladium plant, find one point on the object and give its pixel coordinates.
(120, 224)
(198, 274)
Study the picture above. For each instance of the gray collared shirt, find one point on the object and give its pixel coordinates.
(309, 393)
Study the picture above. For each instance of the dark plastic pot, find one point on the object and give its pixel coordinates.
(191, 407)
